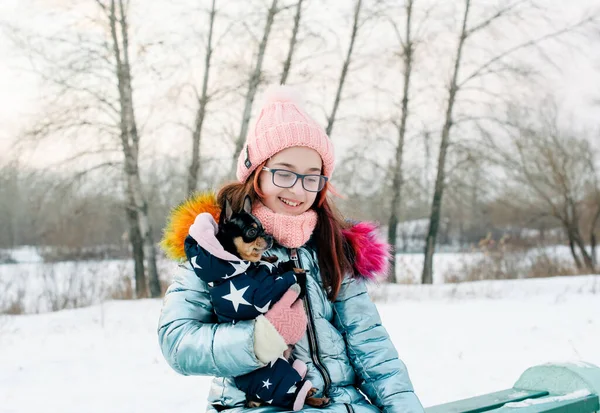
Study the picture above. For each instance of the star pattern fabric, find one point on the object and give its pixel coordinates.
(267, 264)
(277, 383)
(240, 268)
(242, 290)
(236, 296)
(194, 263)
(264, 308)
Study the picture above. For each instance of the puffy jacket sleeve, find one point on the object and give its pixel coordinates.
(383, 376)
(190, 338)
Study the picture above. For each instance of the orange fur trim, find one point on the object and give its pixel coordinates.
(182, 217)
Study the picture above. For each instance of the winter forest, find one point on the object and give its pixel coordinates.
(469, 130)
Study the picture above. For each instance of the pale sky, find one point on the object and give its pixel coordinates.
(576, 85)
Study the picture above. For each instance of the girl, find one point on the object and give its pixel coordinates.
(285, 167)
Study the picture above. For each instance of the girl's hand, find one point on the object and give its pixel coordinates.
(285, 323)
(288, 316)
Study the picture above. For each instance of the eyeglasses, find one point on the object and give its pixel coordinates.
(287, 179)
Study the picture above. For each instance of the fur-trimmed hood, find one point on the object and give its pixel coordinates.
(371, 254)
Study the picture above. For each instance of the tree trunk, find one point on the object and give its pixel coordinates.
(130, 143)
(398, 179)
(253, 83)
(194, 171)
(595, 221)
(587, 259)
(140, 201)
(141, 207)
(288, 60)
(137, 245)
(338, 94)
(572, 215)
(573, 251)
(436, 206)
(593, 252)
(393, 241)
(427, 142)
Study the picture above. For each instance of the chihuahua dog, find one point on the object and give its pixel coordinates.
(241, 234)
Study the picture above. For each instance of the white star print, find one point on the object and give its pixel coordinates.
(267, 264)
(194, 263)
(267, 384)
(269, 401)
(279, 278)
(264, 309)
(236, 296)
(211, 284)
(292, 389)
(240, 268)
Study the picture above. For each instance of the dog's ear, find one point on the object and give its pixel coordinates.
(247, 204)
(228, 210)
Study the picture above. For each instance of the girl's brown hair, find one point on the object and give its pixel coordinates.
(334, 253)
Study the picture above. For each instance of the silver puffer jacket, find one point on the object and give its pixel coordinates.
(345, 348)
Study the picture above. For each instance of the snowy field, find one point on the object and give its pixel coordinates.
(457, 341)
(42, 287)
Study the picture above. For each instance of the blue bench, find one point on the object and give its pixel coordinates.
(555, 388)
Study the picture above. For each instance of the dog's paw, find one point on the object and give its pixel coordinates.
(270, 259)
(316, 401)
(285, 266)
(301, 280)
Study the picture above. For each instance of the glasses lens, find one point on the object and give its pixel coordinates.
(313, 183)
(284, 179)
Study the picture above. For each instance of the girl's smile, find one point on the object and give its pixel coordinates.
(294, 200)
(289, 203)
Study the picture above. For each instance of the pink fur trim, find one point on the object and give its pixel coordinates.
(371, 254)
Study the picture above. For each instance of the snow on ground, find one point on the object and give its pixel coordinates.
(21, 254)
(447, 265)
(43, 284)
(106, 358)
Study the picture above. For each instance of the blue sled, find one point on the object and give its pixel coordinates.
(556, 388)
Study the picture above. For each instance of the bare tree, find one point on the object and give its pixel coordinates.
(293, 41)
(253, 83)
(80, 67)
(130, 138)
(434, 221)
(594, 205)
(493, 65)
(202, 100)
(345, 66)
(551, 170)
(407, 45)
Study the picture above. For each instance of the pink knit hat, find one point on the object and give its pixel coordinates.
(282, 123)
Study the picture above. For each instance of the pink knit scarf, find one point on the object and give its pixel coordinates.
(290, 231)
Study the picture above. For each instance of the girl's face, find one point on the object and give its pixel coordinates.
(294, 200)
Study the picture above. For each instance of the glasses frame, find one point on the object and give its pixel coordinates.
(298, 176)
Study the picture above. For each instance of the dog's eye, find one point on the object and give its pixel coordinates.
(252, 232)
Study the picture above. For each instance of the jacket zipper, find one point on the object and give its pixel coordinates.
(312, 339)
